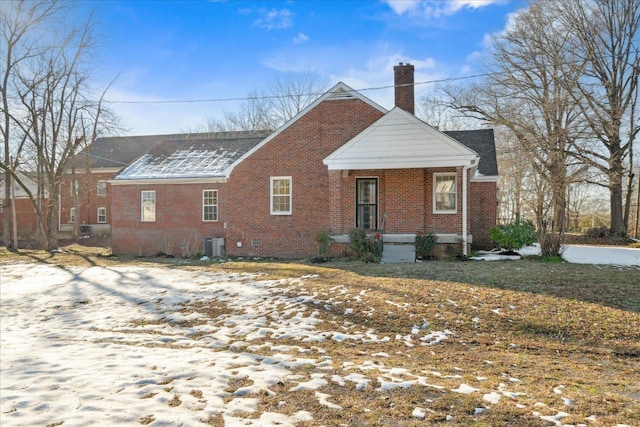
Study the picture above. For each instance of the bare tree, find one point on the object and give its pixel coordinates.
(607, 41)
(436, 111)
(284, 98)
(53, 113)
(517, 189)
(528, 93)
(18, 21)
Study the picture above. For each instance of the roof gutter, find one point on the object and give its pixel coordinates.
(152, 181)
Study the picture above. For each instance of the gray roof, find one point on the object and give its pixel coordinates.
(119, 151)
(192, 158)
(482, 142)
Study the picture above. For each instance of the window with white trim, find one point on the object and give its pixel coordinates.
(102, 215)
(74, 187)
(444, 193)
(102, 188)
(148, 206)
(209, 205)
(72, 215)
(280, 195)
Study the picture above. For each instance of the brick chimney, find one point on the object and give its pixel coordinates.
(403, 82)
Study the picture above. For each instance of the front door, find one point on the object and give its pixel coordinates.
(367, 203)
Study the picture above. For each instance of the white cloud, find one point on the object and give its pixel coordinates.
(300, 38)
(274, 19)
(435, 8)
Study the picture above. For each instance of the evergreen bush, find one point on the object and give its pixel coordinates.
(513, 236)
(425, 244)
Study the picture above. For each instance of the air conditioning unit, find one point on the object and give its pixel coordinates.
(213, 246)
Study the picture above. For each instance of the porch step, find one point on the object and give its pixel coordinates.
(393, 254)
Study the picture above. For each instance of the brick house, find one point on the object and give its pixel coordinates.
(26, 221)
(342, 162)
(85, 195)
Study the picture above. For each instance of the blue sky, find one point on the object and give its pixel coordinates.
(189, 50)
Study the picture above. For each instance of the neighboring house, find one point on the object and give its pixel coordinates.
(85, 196)
(342, 162)
(26, 219)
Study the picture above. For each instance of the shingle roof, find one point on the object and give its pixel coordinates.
(191, 158)
(119, 151)
(482, 142)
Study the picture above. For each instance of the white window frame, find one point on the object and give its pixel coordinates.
(144, 196)
(102, 188)
(210, 205)
(272, 195)
(453, 175)
(72, 215)
(104, 220)
(74, 187)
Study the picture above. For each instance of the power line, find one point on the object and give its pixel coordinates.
(255, 98)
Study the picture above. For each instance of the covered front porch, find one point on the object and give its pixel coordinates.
(400, 183)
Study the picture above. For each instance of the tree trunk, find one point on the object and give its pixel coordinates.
(617, 220)
(7, 229)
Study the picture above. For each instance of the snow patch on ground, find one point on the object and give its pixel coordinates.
(576, 254)
(167, 346)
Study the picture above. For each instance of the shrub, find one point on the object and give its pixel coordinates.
(425, 244)
(513, 236)
(323, 238)
(366, 247)
(550, 242)
(597, 232)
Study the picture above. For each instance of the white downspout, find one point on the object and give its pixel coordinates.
(465, 230)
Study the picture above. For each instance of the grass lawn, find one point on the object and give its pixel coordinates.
(556, 342)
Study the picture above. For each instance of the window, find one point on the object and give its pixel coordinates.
(102, 188)
(148, 206)
(444, 193)
(72, 215)
(209, 205)
(102, 215)
(74, 187)
(281, 195)
(367, 203)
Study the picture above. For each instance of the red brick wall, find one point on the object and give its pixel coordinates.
(297, 152)
(90, 201)
(26, 220)
(178, 218)
(483, 205)
(445, 223)
(404, 195)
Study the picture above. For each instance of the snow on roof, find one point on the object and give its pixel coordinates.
(204, 158)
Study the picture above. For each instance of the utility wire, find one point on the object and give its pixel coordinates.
(254, 98)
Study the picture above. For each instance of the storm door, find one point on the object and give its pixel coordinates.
(367, 203)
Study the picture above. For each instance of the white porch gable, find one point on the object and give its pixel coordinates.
(399, 140)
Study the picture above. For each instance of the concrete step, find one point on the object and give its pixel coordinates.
(393, 254)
